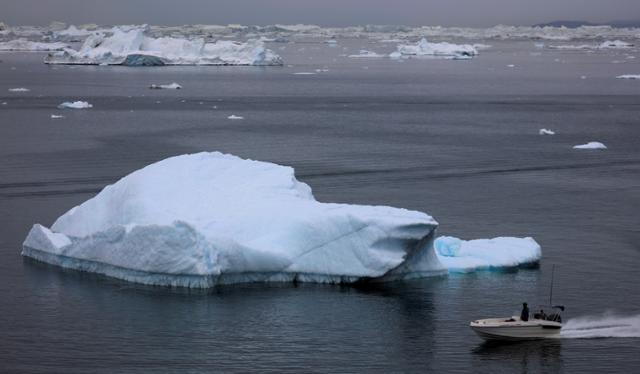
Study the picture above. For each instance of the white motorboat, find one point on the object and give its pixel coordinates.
(541, 326)
(515, 329)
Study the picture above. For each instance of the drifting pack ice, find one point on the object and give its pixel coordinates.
(205, 219)
(24, 45)
(134, 48)
(444, 49)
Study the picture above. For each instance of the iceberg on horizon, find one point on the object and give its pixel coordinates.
(24, 45)
(132, 47)
(443, 49)
(206, 219)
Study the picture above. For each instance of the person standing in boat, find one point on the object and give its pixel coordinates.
(524, 315)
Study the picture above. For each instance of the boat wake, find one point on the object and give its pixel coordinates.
(604, 326)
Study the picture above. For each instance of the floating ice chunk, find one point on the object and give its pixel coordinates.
(481, 47)
(29, 46)
(304, 73)
(511, 66)
(19, 89)
(615, 44)
(590, 145)
(573, 46)
(233, 116)
(172, 86)
(629, 76)
(546, 132)
(55, 116)
(132, 47)
(461, 255)
(75, 105)
(444, 49)
(205, 219)
(366, 54)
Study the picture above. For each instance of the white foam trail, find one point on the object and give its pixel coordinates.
(607, 325)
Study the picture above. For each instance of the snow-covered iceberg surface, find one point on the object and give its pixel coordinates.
(467, 255)
(134, 48)
(31, 46)
(444, 49)
(205, 219)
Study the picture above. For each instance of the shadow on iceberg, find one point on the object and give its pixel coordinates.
(210, 219)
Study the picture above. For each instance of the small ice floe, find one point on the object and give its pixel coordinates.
(366, 54)
(172, 86)
(583, 77)
(615, 44)
(324, 70)
(75, 105)
(55, 116)
(511, 66)
(629, 76)
(19, 89)
(481, 47)
(539, 45)
(332, 42)
(590, 145)
(304, 73)
(444, 50)
(546, 132)
(233, 116)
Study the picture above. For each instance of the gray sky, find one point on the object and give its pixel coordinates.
(320, 12)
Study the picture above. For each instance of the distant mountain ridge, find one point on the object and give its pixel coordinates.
(572, 24)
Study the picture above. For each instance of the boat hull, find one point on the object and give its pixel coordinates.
(503, 329)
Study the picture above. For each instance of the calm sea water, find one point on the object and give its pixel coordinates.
(457, 139)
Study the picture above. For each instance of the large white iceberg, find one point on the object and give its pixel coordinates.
(132, 47)
(205, 219)
(444, 49)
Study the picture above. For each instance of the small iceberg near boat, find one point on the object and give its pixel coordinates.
(233, 116)
(546, 132)
(590, 145)
(132, 47)
(75, 105)
(469, 255)
(19, 89)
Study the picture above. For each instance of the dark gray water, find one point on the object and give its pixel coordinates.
(457, 139)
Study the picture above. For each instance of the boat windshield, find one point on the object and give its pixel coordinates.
(549, 313)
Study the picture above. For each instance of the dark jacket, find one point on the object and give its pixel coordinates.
(524, 316)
